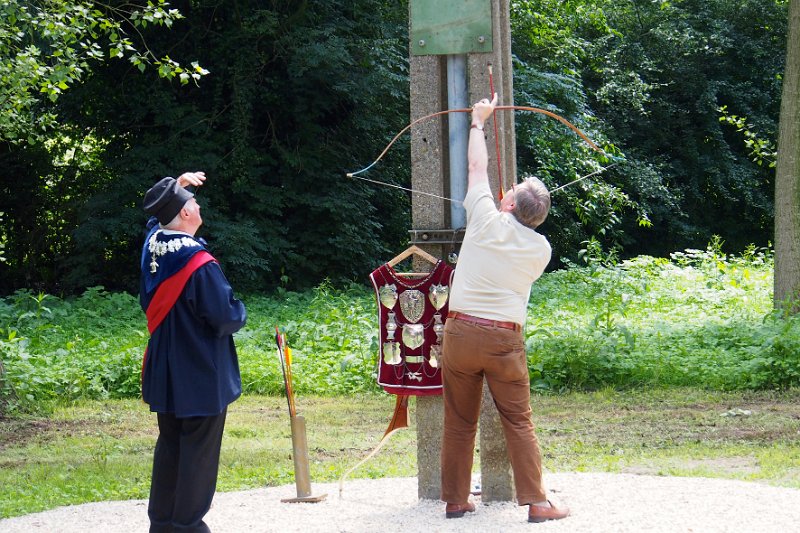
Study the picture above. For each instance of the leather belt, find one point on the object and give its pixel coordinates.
(484, 321)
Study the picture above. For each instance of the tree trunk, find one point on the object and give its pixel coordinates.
(787, 176)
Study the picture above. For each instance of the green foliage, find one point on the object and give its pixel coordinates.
(331, 332)
(61, 350)
(648, 79)
(701, 318)
(552, 42)
(696, 56)
(298, 97)
(40, 213)
(303, 92)
(49, 46)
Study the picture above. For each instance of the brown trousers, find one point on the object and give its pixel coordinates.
(470, 352)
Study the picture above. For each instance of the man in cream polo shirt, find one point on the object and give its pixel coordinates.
(502, 255)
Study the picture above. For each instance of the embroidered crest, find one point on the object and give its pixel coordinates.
(158, 248)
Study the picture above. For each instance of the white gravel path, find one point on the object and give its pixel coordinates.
(599, 502)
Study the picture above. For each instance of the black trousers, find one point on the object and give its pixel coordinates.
(185, 466)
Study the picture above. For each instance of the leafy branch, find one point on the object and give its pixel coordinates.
(47, 47)
(761, 150)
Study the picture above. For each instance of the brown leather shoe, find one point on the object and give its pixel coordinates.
(457, 510)
(537, 513)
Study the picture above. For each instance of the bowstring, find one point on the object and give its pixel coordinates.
(598, 171)
(386, 183)
(415, 191)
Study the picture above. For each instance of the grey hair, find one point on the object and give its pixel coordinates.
(531, 202)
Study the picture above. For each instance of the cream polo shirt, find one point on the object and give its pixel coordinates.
(499, 261)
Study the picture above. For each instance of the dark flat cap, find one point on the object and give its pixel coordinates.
(165, 199)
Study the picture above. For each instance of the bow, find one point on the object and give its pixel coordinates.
(398, 422)
(469, 110)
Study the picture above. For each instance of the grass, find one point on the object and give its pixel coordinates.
(102, 450)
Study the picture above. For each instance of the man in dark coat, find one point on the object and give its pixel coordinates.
(190, 371)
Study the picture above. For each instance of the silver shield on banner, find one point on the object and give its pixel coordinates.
(436, 353)
(413, 335)
(388, 295)
(412, 304)
(438, 295)
(391, 353)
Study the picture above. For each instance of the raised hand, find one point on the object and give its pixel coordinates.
(191, 178)
(483, 110)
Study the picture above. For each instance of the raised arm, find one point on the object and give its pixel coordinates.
(477, 156)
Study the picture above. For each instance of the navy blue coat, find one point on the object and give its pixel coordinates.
(191, 368)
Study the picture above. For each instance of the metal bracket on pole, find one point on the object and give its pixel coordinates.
(437, 236)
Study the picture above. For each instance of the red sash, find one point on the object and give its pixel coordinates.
(168, 292)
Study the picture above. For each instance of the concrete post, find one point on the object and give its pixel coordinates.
(428, 155)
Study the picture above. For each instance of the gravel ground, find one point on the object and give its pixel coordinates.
(599, 503)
